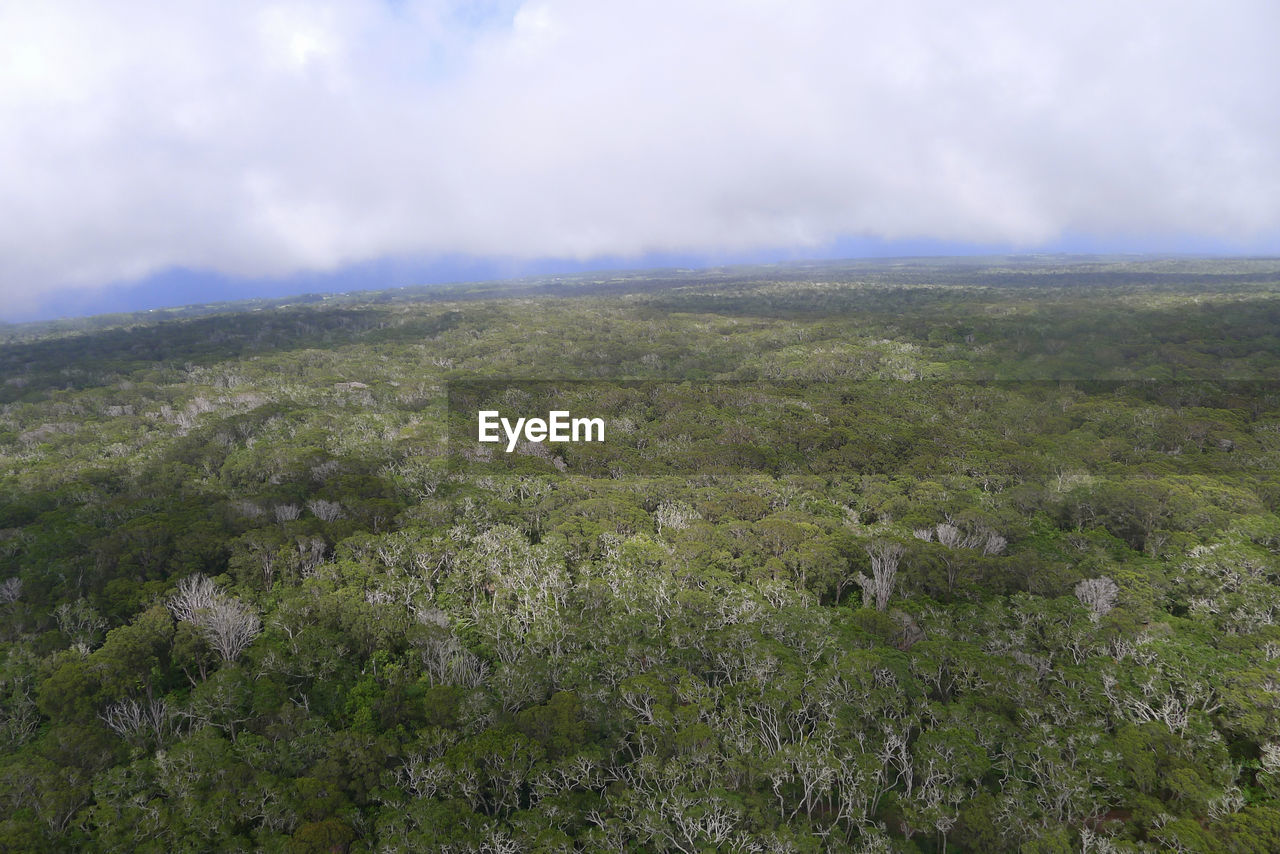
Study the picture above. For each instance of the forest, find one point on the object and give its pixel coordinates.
(915, 556)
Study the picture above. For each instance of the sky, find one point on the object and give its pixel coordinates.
(160, 153)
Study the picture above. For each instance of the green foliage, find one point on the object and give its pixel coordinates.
(666, 648)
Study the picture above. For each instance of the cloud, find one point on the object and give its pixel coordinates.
(268, 138)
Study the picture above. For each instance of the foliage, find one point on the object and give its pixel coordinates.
(969, 558)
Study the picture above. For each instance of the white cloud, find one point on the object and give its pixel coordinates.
(259, 138)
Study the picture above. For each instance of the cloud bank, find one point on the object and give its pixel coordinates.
(268, 138)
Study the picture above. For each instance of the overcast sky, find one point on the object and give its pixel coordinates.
(251, 140)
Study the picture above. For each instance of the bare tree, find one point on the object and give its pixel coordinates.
(196, 594)
(953, 537)
(1098, 595)
(287, 512)
(994, 544)
(134, 721)
(325, 511)
(264, 553)
(230, 626)
(877, 589)
(248, 509)
(1271, 757)
(675, 515)
(19, 717)
(447, 662)
(10, 590)
(226, 623)
(80, 622)
(310, 555)
(950, 536)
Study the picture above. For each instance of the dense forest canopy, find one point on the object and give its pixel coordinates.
(879, 557)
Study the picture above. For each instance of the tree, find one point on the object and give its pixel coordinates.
(230, 627)
(80, 622)
(226, 623)
(877, 589)
(1098, 595)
